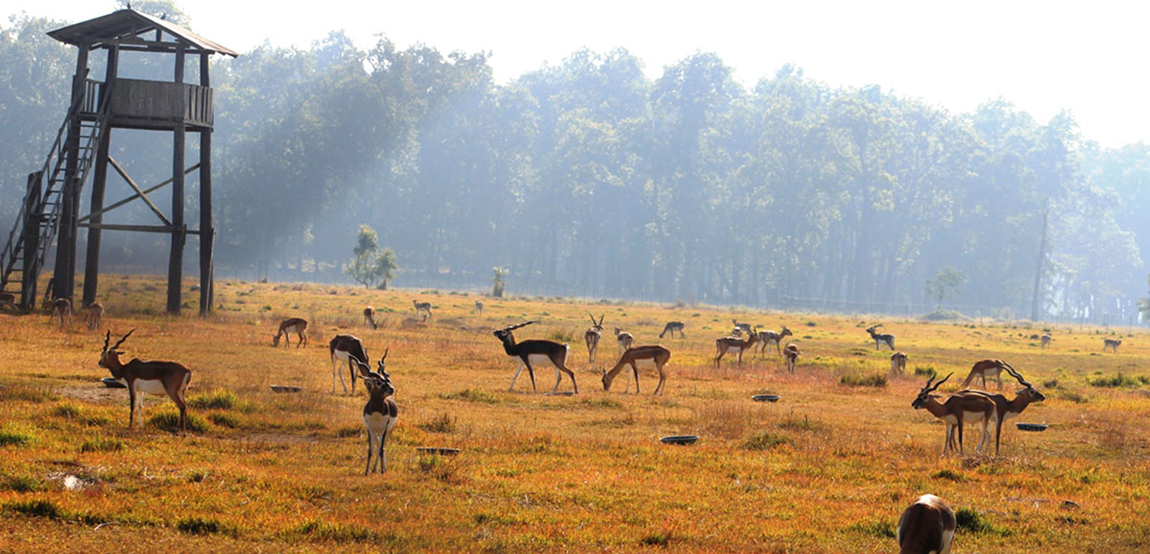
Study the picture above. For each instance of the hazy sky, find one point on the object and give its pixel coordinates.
(1086, 57)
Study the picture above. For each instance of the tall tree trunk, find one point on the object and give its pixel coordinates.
(1036, 299)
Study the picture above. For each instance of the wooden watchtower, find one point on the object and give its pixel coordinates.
(51, 209)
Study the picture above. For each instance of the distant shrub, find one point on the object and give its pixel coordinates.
(874, 528)
(224, 420)
(929, 372)
(220, 399)
(1119, 380)
(22, 393)
(811, 324)
(170, 421)
(1073, 396)
(202, 526)
(443, 423)
(562, 336)
(24, 483)
(864, 380)
(765, 441)
(35, 508)
(324, 531)
(15, 438)
(661, 539)
(949, 475)
(971, 521)
(472, 395)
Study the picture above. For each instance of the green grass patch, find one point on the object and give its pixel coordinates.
(221, 399)
(24, 483)
(170, 421)
(23, 393)
(442, 423)
(883, 529)
(472, 395)
(875, 380)
(1119, 380)
(203, 526)
(15, 438)
(102, 444)
(334, 532)
(35, 508)
(765, 441)
(970, 520)
(926, 371)
(949, 475)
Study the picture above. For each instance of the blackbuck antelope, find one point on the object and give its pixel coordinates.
(766, 338)
(479, 307)
(535, 351)
(880, 338)
(94, 314)
(297, 325)
(791, 352)
(740, 327)
(380, 413)
(926, 527)
(647, 356)
(369, 317)
(345, 348)
(671, 327)
(422, 308)
(956, 411)
(151, 377)
(734, 345)
(62, 308)
(624, 339)
(898, 363)
(983, 369)
(7, 299)
(593, 335)
(1006, 409)
(1112, 344)
(1046, 338)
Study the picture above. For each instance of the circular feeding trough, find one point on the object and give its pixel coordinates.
(765, 398)
(680, 439)
(112, 383)
(438, 450)
(285, 388)
(1034, 427)
(560, 393)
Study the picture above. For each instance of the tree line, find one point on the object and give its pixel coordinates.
(589, 178)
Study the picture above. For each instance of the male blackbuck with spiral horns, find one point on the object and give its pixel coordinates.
(956, 411)
(880, 338)
(671, 327)
(648, 356)
(297, 325)
(735, 345)
(983, 369)
(926, 527)
(380, 413)
(345, 348)
(535, 351)
(593, 336)
(1006, 409)
(151, 377)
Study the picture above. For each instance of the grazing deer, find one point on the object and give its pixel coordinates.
(344, 348)
(95, 314)
(926, 527)
(479, 307)
(734, 345)
(379, 414)
(898, 363)
(297, 325)
(422, 308)
(983, 369)
(671, 327)
(956, 411)
(880, 338)
(62, 308)
(369, 317)
(7, 299)
(151, 377)
(593, 335)
(1112, 344)
(647, 356)
(535, 351)
(791, 352)
(768, 337)
(1006, 409)
(740, 327)
(624, 339)
(1046, 338)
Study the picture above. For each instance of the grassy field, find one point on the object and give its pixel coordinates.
(828, 468)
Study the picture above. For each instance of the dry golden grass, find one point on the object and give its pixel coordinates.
(826, 469)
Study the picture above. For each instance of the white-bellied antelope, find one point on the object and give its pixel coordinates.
(94, 314)
(791, 352)
(1006, 409)
(898, 363)
(880, 338)
(151, 377)
(766, 338)
(344, 348)
(297, 325)
(379, 414)
(369, 317)
(956, 411)
(647, 356)
(624, 339)
(422, 308)
(1046, 338)
(734, 345)
(535, 351)
(1112, 344)
(7, 299)
(61, 309)
(593, 335)
(926, 527)
(671, 327)
(983, 369)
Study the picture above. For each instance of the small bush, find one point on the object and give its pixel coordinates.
(882, 529)
(202, 526)
(971, 521)
(472, 395)
(950, 475)
(323, 531)
(858, 380)
(662, 539)
(21, 393)
(765, 441)
(929, 372)
(1119, 380)
(170, 421)
(565, 337)
(442, 423)
(224, 420)
(102, 444)
(24, 483)
(220, 400)
(15, 438)
(35, 508)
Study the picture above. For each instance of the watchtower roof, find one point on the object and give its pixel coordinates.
(127, 27)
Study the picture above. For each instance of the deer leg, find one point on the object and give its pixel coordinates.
(635, 370)
(383, 450)
(131, 403)
(662, 379)
(367, 469)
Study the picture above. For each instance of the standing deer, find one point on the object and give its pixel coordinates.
(880, 338)
(151, 377)
(766, 338)
(593, 335)
(984, 368)
(535, 351)
(379, 414)
(61, 309)
(740, 327)
(648, 356)
(422, 308)
(1006, 409)
(956, 411)
(369, 317)
(95, 314)
(926, 527)
(791, 352)
(734, 345)
(898, 363)
(1112, 344)
(671, 327)
(479, 307)
(297, 325)
(349, 349)
(1046, 338)
(624, 339)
